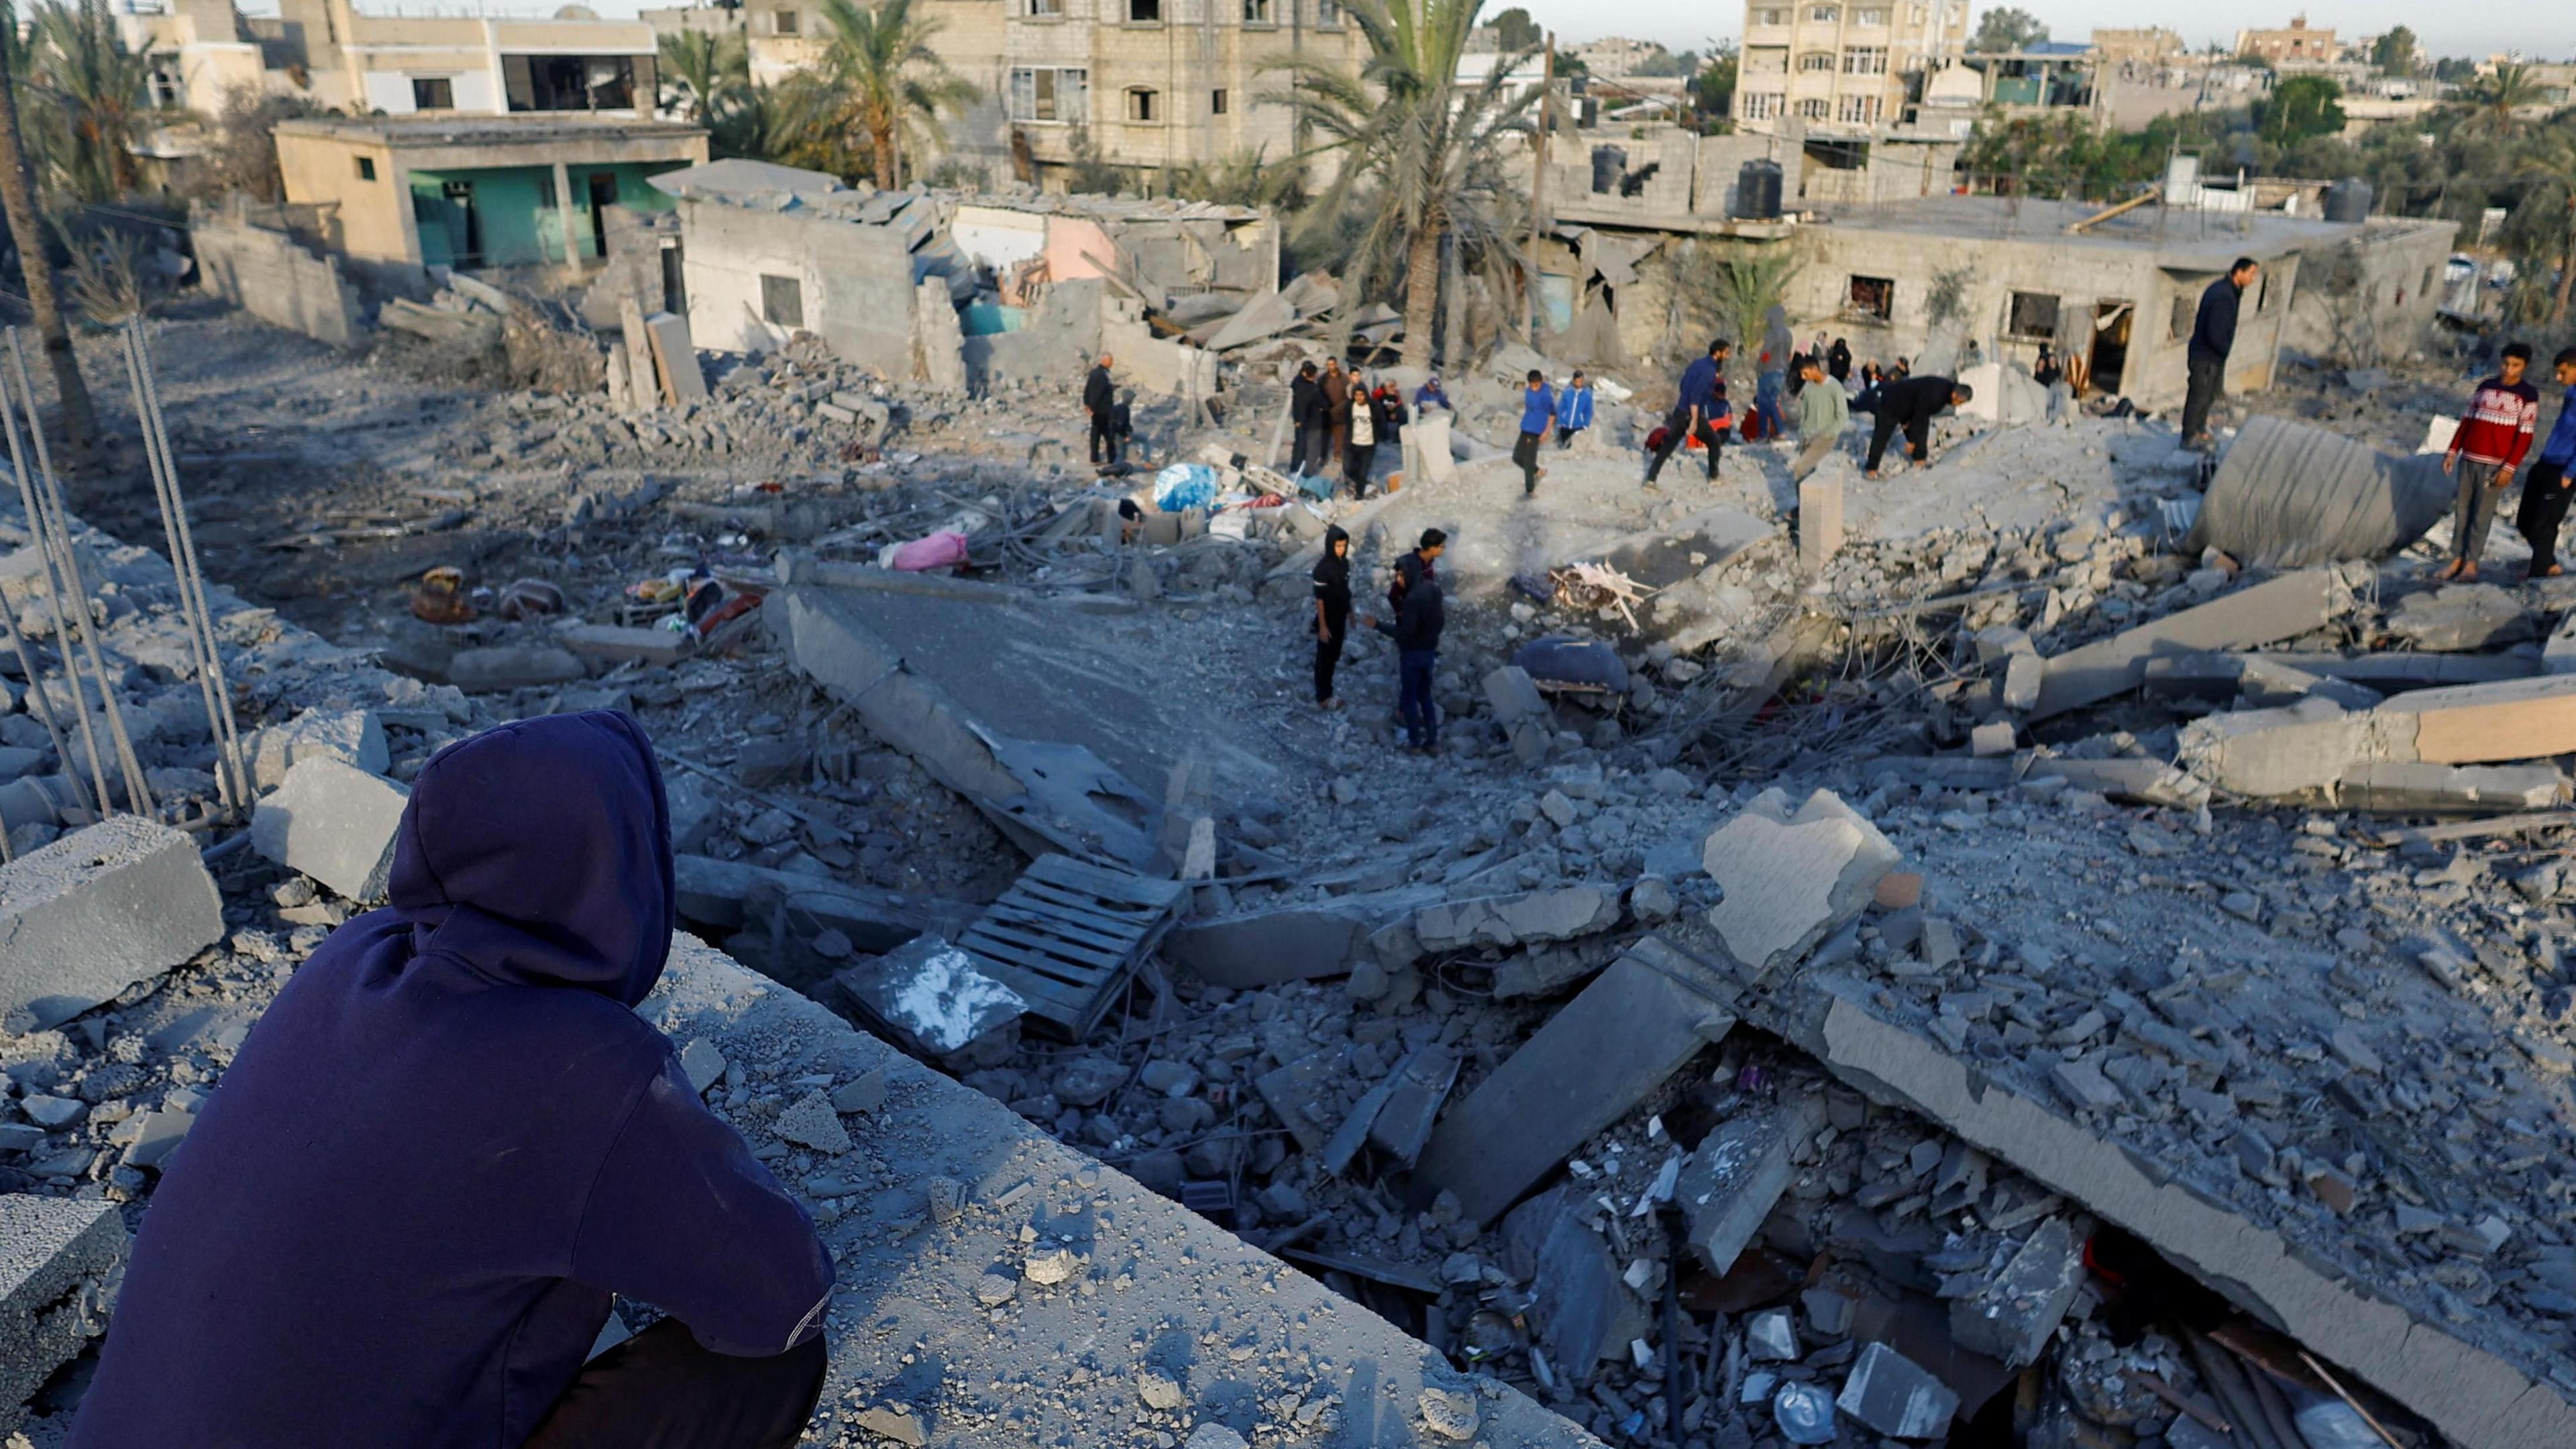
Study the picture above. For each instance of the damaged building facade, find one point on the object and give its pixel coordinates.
(933, 285)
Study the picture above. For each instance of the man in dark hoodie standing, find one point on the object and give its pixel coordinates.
(1305, 421)
(1099, 396)
(1419, 617)
(2213, 336)
(1332, 612)
(399, 1220)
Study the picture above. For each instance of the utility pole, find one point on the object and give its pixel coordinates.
(1538, 190)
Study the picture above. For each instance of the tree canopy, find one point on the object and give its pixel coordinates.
(2007, 29)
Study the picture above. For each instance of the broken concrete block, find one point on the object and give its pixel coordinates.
(1428, 453)
(1729, 1185)
(1646, 1014)
(1820, 519)
(2412, 787)
(702, 1063)
(1414, 1096)
(499, 667)
(900, 1423)
(150, 1137)
(1993, 738)
(932, 992)
(1790, 879)
(812, 1122)
(104, 907)
(1581, 1309)
(2023, 674)
(2461, 617)
(2305, 746)
(2274, 610)
(2082, 1084)
(1557, 915)
(2010, 1316)
(717, 893)
(1894, 1395)
(350, 735)
(333, 822)
(2476, 724)
(57, 1279)
(617, 645)
(2558, 654)
(676, 357)
(1999, 643)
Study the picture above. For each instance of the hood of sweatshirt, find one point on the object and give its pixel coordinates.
(539, 854)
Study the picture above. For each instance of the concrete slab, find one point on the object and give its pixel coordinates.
(1646, 1014)
(2276, 609)
(1730, 1182)
(1789, 879)
(676, 357)
(333, 822)
(512, 666)
(2412, 787)
(2010, 1316)
(351, 735)
(905, 1324)
(96, 911)
(715, 892)
(1288, 943)
(59, 1262)
(616, 645)
(2520, 719)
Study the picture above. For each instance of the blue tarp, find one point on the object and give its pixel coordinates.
(1185, 486)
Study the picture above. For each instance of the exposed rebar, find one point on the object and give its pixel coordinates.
(55, 589)
(45, 709)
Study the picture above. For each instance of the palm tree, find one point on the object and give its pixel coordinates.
(93, 87)
(2497, 96)
(713, 67)
(2541, 228)
(18, 203)
(894, 86)
(1429, 149)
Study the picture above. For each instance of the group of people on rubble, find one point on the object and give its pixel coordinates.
(1825, 388)
(2488, 451)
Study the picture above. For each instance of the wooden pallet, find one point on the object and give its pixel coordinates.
(1067, 936)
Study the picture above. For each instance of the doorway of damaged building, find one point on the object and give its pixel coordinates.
(510, 216)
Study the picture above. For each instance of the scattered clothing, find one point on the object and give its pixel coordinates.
(400, 1217)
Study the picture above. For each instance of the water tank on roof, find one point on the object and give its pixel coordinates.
(1757, 191)
(1609, 163)
(2348, 200)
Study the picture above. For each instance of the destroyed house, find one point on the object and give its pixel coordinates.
(2116, 293)
(413, 192)
(1033, 285)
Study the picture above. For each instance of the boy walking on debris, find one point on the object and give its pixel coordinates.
(1699, 411)
(2493, 436)
(1573, 410)
(400, 1218)
(1098, 397)
(2547, 487)
(1538, 414)
(1822, 412)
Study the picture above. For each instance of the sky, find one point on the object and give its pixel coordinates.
(2545, 31)
(2541, 32)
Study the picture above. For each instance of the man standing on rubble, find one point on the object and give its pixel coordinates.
(1305, 407)
(1911, 403)
(1822, 411)
(2492, 438)
(2213, 336)
(1699, 411)
(399, 1220)
(1099, 395)
(1420, 616)
(1337, 406)
(2547, 487)
(1332, 612)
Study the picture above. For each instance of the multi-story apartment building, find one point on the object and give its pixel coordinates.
(1843, 68)
(2150, 46)
(1148, 84)
(2297, 43)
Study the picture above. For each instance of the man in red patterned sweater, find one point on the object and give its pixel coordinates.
(2494, 434)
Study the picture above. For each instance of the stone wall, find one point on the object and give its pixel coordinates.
(274, 278)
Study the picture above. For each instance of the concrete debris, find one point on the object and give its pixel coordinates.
(2010, 1316)
(1890, 1393)
(97, 911)
(1788, 879)
(2280, 608)
(2309, 747)
(334, 822)
(2461, 617)
(58, 1283)
(497, 668)
(1539, 916)
(1583, 1311)
(813, 1122)
(1729, 1184)
(933, 993)
(352, 736)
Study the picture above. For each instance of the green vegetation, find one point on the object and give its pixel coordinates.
(2005, 30)
(2301, 107)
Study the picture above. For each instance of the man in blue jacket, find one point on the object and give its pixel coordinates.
(1573, 409)
(1699, 411)
(2213, 336)
(2546, 485)
(399, 1221)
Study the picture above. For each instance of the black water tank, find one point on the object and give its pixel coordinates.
(2348, 200)
(1757, 191)
(1609, 163)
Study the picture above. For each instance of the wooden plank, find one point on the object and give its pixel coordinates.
(1034, 987)
(1064, 870)
(1078, 979)
(1121, 942)
(1084, 911)
(988, 929)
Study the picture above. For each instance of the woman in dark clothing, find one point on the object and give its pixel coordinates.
(1332, 612)
(1838, 360)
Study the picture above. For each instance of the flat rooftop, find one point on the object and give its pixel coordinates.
(2182, 237)
(765, 186)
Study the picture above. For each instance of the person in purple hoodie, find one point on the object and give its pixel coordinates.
(399, 1220)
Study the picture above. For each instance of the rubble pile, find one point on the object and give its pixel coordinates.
(2023, 975)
